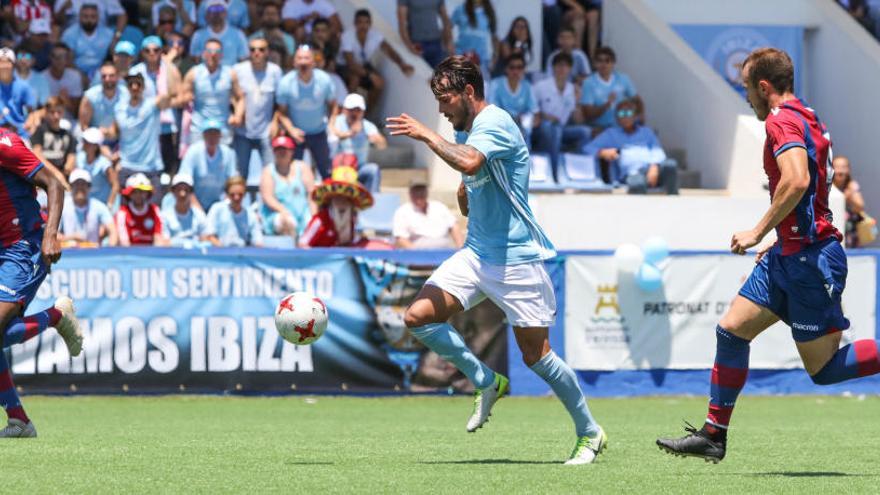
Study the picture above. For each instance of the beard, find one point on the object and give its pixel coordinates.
(89, 27)
(459, 122)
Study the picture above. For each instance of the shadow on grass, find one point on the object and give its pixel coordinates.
(309, 463)
(490, 461)
(812, 474)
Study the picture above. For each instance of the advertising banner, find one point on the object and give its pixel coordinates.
(168, 320)
(611, 324)
(724, 47)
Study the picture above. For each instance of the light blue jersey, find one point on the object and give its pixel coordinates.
(183, 230)
(98, 170)
(139, 136)
(235, 44)
(233, 229)
(151, 89)
(39, 85)
(213, 92)
(501, 227)
(103, 108)
(209, 173)
(595, 91)
(86, 221)
(236, 14)
(259, 88)
(359, 144)
(307, 102)
(89, 51)
(477, 39)
(516, 103)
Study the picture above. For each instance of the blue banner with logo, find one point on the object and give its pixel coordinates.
(724, 47)
(170, 320)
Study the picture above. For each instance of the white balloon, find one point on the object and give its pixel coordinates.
(629, 258)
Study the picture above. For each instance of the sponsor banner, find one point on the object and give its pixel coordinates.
(166, 320)
(611, 324)
(725, 47)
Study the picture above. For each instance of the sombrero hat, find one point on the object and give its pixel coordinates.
(343, 182)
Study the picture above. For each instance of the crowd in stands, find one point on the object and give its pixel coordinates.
(159, 112)
(865, 12)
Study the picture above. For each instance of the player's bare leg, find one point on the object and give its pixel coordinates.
(426, 319)
(534, 343)
(743, 321)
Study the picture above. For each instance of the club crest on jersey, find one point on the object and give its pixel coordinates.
(148, 223)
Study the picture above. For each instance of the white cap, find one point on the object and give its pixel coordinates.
(93, 135)
(215, 3)
(354, 100)
(139, 181)
(182, 179)
(8, 54)
(80, 174)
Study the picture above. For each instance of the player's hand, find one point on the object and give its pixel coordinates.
(51, 251)
(404, 125)
(742, 241)
(763, 250)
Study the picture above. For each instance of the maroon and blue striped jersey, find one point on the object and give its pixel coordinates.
(19, 211)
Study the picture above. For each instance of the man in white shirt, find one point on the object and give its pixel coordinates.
(85, 221)
(299, 15)
(424, 223)
(556, 103)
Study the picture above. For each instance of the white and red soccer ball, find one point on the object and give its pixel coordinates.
(301, 318)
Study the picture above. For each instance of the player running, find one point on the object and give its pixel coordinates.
(503, 255)
(799, 278)
(28, 247)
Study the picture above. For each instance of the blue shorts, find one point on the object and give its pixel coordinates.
(802, 289)
(21, 272)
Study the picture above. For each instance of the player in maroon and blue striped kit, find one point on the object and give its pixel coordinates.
(798, 279)
(29, 245)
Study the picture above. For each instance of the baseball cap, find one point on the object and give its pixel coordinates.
(182, 179)
(135, 77)
(212, 125)
(418, 182)
(151, 41)
(80, 174)
(125, 47)
(8, 54)
(216, 4)
(354, 100)
(137, 181)
(283, 142)
(93, 135)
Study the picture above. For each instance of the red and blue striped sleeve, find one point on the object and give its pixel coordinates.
(785, 131)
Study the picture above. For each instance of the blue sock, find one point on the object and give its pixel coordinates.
(445, 341)
(563, 381)
(851, 361)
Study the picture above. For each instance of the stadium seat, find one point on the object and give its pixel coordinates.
(541, 173)
(579, 172)
(379, 218)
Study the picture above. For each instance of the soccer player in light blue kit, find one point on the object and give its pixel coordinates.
(503, 257)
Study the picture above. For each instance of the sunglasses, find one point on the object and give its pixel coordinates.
(259, 49)
(152, 50)
(162, 22)
(516, 67)
(604, 60)
(626, 113)
(212, 51)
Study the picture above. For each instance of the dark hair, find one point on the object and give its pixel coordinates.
(454, 74)
(562, 58)
(607, 51)
(567, 29)
(511, 40)
(627, 103)
(470, 10)
(89, 5)
(514, 56)
(772, 65)
(213, 40)
(363, 13)
(107, 63)
(320, 20)
(61, 45)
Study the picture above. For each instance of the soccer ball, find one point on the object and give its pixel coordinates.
(301, 318)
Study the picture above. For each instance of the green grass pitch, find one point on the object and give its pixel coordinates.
(316, 445)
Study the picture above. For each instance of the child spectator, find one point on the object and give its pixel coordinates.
(229, 223)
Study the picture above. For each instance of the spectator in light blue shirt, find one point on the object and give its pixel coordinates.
(604, 89)
(88, 40)
(475, 21)
(270, 29)
(306, 97)
(237, 13)
(636, 152)
(85, 221)
(182, 223)
(210, 164)
(211, 87)
(103, 174)
(16, 98)
(98, 106)
(137, 124)
(568, 43)
(230, 223)
(355, 134)
(513, 93)
(235, 47)
(37, 82)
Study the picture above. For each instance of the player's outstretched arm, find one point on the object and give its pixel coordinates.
(54, 184)
(793, 183)
(463, 158)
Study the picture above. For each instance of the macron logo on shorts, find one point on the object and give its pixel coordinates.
(805, 328)
(7, 290)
